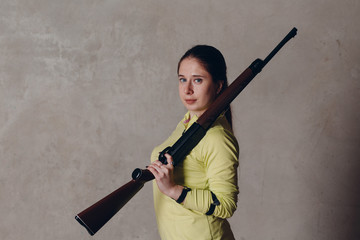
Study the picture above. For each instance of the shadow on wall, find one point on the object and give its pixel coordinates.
(330, 170)
(341, 170)
(355, 219)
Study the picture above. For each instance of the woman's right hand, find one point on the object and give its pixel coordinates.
(164, 177)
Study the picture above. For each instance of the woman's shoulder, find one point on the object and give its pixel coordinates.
(219, 144)
(221, 127)
(220, 134)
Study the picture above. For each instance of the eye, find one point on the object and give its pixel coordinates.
(197, 80)
(182, 80)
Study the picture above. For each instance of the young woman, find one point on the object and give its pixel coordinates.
(193, 199)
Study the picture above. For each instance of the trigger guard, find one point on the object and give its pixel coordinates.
(162, 157)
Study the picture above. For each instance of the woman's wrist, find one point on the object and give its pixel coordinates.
(175, 192)
(183, 195)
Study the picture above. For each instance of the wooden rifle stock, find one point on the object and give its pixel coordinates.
(96, 216)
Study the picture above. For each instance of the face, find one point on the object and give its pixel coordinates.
(196, 87)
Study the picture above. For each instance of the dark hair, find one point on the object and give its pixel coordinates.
(214, 63)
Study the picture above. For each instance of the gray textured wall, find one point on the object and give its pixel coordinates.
(88, 88)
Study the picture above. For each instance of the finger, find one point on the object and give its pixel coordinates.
(153, 171)
(156, 171)
(157, 167)
(169, 160)
(158, 163)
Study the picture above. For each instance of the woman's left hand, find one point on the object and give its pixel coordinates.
(164, 176)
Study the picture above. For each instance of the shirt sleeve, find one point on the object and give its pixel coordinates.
(220, 153)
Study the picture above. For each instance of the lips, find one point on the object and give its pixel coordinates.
(190, 101)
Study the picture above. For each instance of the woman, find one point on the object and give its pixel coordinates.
(193, 200)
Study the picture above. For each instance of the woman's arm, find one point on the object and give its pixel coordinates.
(219, 152)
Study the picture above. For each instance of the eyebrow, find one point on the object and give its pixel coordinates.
(196, 75)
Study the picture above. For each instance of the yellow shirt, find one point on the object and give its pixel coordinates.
(210, 167)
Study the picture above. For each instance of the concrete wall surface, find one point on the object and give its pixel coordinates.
(88, 88)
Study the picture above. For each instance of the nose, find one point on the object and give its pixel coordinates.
(188, 89)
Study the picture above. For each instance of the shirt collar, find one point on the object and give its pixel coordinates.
(188, 121)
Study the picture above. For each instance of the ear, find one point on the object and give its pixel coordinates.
(220, 86)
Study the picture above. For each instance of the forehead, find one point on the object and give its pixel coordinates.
(191, 66)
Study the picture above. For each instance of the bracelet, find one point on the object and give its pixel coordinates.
(183, 195)
(213, 205)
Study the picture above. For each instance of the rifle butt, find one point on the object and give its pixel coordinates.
(96, 216)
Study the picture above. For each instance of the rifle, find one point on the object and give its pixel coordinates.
(96, 216)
